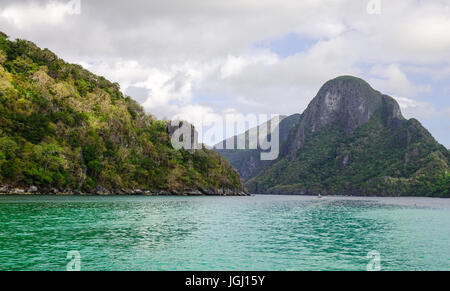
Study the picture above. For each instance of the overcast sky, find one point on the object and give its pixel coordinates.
(250, 56)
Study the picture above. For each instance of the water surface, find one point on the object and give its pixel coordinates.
(224, 233)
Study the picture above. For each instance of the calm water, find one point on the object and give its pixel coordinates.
(224, 233)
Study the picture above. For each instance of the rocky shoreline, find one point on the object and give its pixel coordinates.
(99, 190)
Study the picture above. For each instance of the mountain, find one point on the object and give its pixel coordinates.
(353, 140)
(248, 161)
(66, 130)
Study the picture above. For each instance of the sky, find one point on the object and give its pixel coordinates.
(198, 57)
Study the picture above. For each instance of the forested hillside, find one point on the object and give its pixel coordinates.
(353, 140)
(66, 130)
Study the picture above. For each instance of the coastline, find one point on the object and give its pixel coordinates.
(101, 191)
(348, 196)
(7, 190)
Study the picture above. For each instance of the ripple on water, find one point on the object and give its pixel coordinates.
(224, 233)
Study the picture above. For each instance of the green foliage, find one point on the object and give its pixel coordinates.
(3, 56)
(49, 156)
(442, 187)
(62, 126)
(33, 127)
(84, 87)
(2, 158)
(373, 160)
(8, 150)
(94, 168)
(22, 65)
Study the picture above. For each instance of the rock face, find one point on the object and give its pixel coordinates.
(346, 101)
(32, 189)
(100, 190)
(349, 101)
(353, 140)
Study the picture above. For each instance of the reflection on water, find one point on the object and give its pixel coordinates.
(224, 233)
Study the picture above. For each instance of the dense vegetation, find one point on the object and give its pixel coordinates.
(371, 161)
(63, 127)
(388, 155)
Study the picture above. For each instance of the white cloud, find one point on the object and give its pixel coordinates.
(391, 79)
(31, 13)
(422, 33)
(235, 64)
(180, 52)
(178, 83)
(416, 109)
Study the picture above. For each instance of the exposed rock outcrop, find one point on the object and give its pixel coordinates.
(353, 140)
(346, 102)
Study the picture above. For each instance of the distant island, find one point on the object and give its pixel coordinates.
(64, 130)
(351, 140)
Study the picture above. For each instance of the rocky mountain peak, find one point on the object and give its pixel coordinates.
(347, 102)
(353, 140)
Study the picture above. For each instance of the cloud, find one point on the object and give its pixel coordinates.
(422, 33)
(235, 64)
(24, 15)
(203, 56)
(179, 83)
(391, 79)
(417, 109)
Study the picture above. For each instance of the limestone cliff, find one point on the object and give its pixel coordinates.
(353, 140)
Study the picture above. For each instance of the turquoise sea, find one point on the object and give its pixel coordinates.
(223, 233)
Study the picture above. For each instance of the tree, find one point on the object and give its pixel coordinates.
(48, 155)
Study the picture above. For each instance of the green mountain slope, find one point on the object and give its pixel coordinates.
(66, 130)
(353, 140)
(248, 161)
